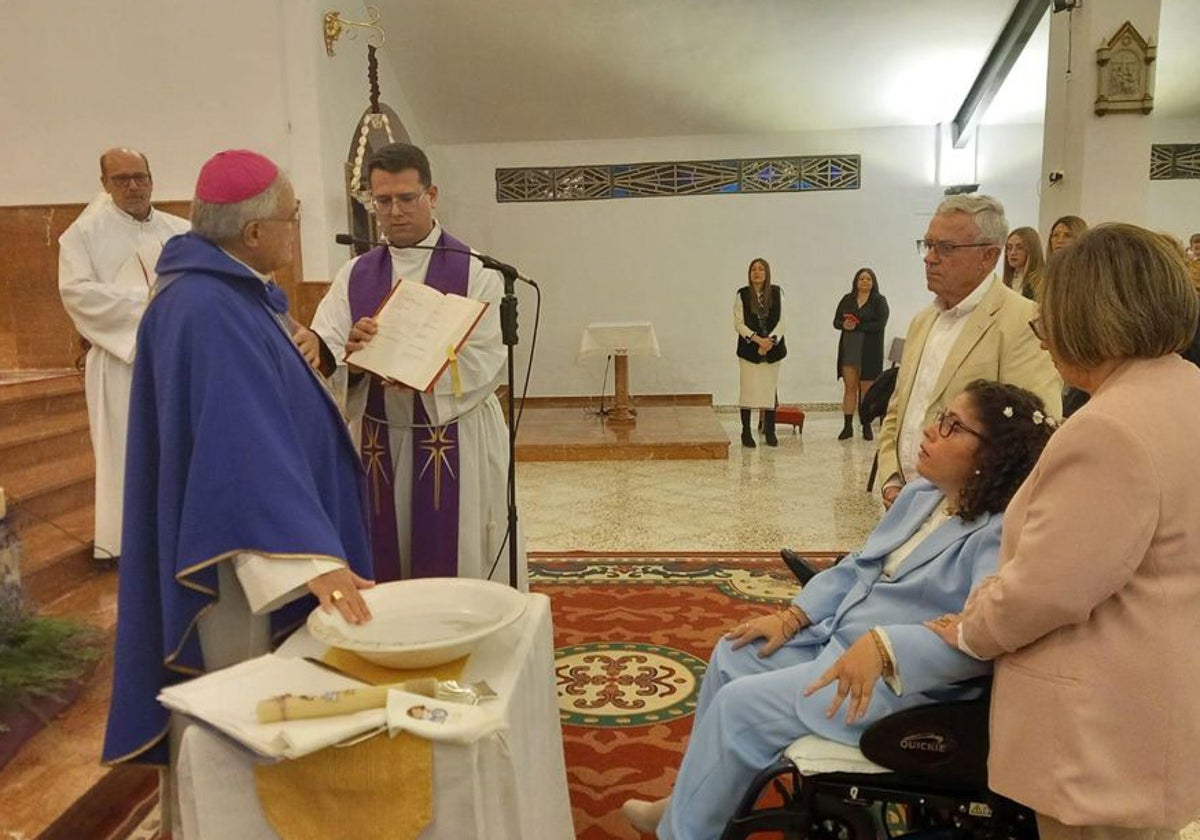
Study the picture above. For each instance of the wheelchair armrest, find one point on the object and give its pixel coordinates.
(940, 741)
(800, 567)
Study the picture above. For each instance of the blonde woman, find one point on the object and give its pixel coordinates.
(1023, 262)
(1064, 232)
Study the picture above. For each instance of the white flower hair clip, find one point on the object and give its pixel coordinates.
(1038, 417)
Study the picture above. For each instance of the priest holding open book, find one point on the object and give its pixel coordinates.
(415, 326)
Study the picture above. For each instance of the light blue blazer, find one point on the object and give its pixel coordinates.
(934, 579)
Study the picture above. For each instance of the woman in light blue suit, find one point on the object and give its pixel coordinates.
(854, 634)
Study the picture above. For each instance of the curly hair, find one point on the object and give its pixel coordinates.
(1015, 430)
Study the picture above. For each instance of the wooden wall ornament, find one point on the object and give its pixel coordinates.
(1125, 81)
(378, 126)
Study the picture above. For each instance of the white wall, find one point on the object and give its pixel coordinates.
(678, 261)
(182, 80)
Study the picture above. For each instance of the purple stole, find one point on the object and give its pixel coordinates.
(435, 448)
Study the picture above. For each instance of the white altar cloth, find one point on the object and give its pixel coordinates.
(509, 785)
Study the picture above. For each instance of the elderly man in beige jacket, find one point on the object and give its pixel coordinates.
(976, 328)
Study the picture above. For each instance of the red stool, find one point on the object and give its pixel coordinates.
(791, 414)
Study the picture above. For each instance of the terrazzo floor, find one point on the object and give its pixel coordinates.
(809, 492)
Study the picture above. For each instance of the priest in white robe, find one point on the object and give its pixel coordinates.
(105, 271)
(450, 444)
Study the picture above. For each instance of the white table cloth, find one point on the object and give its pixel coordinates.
(505, 786)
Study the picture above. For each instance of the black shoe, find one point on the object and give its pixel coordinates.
(867, 433)
(799, 567)
(771, 440)
(846, 434)
(748, 439)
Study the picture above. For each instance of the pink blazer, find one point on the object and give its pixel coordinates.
(1094, 612)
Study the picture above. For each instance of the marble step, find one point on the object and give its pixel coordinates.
(43, 439)
(56, 555)
(34, 397)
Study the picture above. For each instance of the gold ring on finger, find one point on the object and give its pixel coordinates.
(336, 595)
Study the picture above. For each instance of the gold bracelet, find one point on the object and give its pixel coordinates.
(889, 667)
(801, 615)
(789, 629)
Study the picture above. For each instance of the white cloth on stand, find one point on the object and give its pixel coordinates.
(106, 264)
(507, 785)
(618, 338)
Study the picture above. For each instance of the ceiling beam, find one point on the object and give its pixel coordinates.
(1013, 37)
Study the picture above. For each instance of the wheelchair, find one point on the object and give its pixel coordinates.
(934, 785)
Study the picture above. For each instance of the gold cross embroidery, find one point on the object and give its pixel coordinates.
(437, 446)
(373, 451)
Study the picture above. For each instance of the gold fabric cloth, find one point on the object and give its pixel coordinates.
(382, 787)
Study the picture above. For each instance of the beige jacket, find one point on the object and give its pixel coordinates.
(995, 343)
(1094, 611)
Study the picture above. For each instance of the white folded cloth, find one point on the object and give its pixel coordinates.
(227, 700)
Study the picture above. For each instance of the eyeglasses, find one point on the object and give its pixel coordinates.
(1036, 326)
(385, 204)
(139, 179)
(945, 249)
(948, 422)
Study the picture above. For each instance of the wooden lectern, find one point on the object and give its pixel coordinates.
(620, 339)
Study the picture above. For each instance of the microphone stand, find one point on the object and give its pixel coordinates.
(508, 332)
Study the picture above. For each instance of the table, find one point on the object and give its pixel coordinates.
(510, 785)
(620, 339)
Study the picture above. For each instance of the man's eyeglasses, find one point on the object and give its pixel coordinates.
(948, 421)
(1036, 326)
(124, 181)
(945, 249)
(385, 204)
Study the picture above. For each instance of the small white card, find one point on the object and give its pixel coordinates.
(439, 720)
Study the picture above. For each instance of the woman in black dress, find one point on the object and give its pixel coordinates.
(861, 317)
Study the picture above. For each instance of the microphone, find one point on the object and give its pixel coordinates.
(488, 262)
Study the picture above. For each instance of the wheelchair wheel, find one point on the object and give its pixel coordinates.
(835, 819)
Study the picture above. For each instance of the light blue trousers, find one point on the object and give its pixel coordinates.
(749, 711)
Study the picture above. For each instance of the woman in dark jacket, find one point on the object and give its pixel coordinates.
(758, 320)
(861, 317)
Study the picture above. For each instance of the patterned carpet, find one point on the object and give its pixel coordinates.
(632, 634)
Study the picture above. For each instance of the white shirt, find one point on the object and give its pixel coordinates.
(942, 335)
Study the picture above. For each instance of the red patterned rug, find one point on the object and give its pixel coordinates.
(632, 633)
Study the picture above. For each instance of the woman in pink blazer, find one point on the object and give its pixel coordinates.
(1093, 616)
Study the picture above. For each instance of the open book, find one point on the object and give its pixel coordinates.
(420, 329)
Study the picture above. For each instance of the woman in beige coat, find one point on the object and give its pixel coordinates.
(1093, 615)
